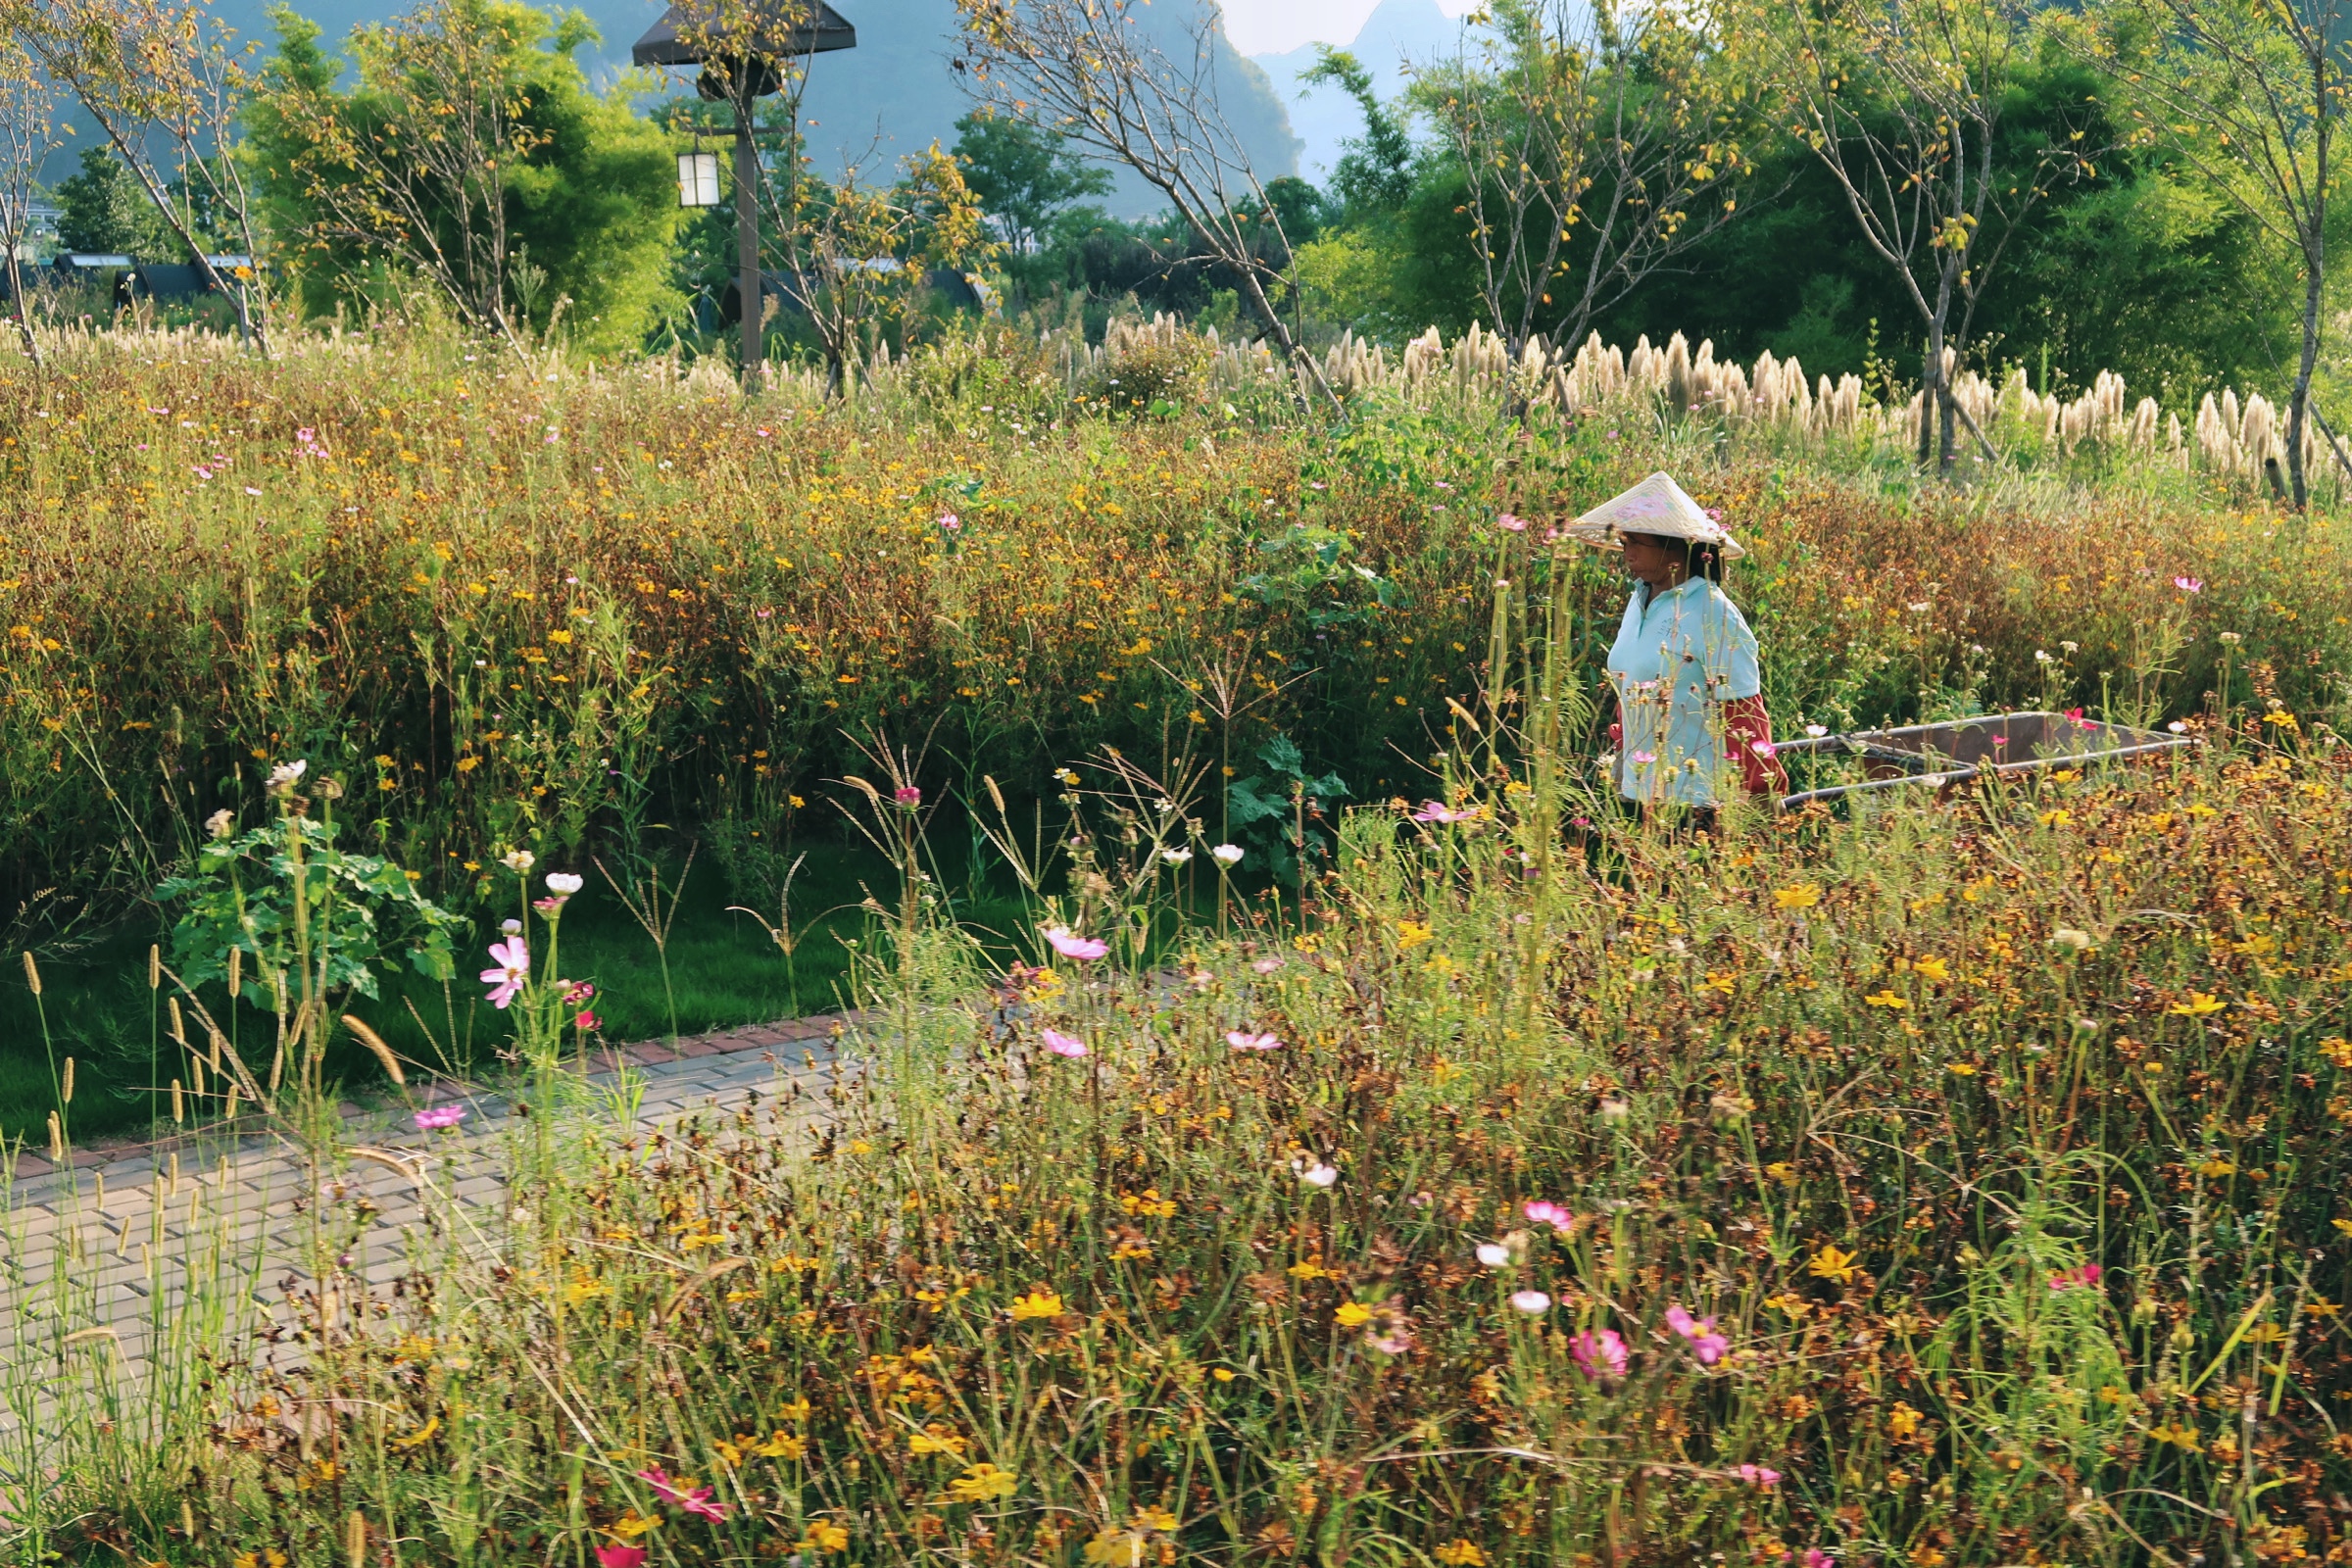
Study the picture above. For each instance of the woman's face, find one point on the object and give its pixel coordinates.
(1660, 562)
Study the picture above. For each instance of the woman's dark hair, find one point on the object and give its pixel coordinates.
(1699, 559)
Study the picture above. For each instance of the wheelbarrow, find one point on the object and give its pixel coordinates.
(1943, 755)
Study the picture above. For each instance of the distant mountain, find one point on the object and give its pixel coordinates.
(1324, 117)
(892, 93)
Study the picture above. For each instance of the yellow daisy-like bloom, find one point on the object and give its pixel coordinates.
(1459, 1554)
(1804, 896)
(1038, 1303)
(1354, 1315)
(1887, 999)
(1832, 1264)
(982, 1482)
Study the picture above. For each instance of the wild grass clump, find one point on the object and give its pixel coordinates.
(1961, 1181)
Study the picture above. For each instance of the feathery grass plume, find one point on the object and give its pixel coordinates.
(65, 1093)
(33, 973)
(155, 967)
(236, 975)
(179, 1028)
(355, 1539)
(375, 1042)
(179, 1109)
(56, 1140)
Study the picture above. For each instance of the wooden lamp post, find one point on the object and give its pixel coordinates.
(738, 45)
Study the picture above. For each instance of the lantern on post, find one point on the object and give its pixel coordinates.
(739, 44)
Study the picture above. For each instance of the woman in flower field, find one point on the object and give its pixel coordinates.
(1690, 696)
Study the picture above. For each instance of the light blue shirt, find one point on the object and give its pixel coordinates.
(1678, 653)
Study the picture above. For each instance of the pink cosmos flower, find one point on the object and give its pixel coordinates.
(1266, 966)
(1242, 1040)
(2074, 717)
(1645, 758)
(1440, 812)
(1764, 749)
(1549, 1213)
(949, 522)
(1530, 1302)
(1815, 1557)
(2189, 585)
(2076, 1278)
(1511, 525)
(1598, 1353)
(576, 992)
(909, 795)
(433, 1117)
(514, 971)
(1755, 1475)
(1705, 1344)
(621, 1556)
(588, 1020)
(701, 1501)
(1072, 946)
(1063, 1045)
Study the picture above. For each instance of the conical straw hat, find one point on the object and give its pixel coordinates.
(1655, 505)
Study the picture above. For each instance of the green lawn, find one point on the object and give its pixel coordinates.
(725, 970)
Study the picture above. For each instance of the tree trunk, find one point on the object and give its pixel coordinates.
(16, 296)
(2314, 278)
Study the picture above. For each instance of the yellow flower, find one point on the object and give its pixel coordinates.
(982, 1482)
(1158, 1519)
(2216, 1168)
(1410, 934)
(783, 1445)
(823, 1535)
(1802, 897)
(1039, 1302)
(1887, 999)
(936, 1439)
(798, 1409)
(1460, 1553)
(417, 1438)
(2055, 818)
(1224, 1374)
(629, 1526)
(2182, 1437)
(1934, 969)
(2198, 1005)
(1831, 1265)
(1902, 1420)
(1354, 1315)
(1966, 1069)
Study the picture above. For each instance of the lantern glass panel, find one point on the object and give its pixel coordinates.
(698, 179)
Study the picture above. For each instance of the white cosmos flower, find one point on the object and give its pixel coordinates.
(1226, 854)
(1176, 857)
(284, 774)
(519, 861)
(563, 883)
(1495, 1254)
(221, 824)
(1317, 1174)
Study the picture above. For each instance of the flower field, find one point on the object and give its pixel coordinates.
(1502, 1180)
(1962, 1185)
(512, 610)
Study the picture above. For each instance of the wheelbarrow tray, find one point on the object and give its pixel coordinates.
(1944, 755)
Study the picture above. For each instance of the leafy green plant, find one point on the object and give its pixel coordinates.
(1279, 811)
(265, 891)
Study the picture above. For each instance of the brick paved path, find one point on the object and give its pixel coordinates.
(133, 1240)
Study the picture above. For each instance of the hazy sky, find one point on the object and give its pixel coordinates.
(1276, 27)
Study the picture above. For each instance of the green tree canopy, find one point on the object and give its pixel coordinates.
(468, 150)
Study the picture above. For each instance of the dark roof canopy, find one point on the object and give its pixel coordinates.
(778, 27)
